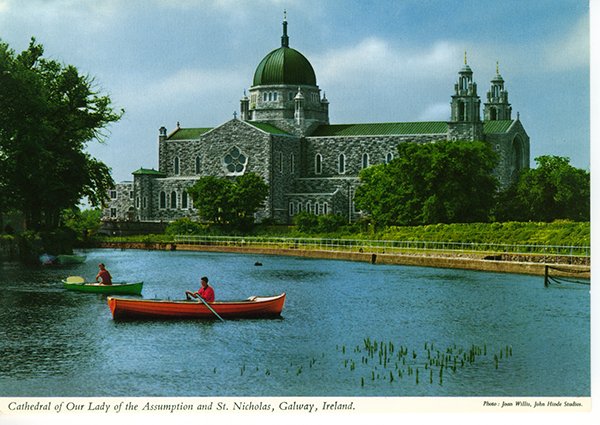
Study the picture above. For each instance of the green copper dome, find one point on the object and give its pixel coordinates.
(284, 66)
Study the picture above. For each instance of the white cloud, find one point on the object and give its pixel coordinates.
(184, 85)
(572, 51)
(375, 59)
(436, 112)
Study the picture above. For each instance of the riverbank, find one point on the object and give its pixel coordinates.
(502, 263)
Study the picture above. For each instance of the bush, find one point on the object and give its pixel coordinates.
(330, 223)
(185, 226)
(306, 222)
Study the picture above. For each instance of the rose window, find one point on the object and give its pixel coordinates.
(235, 161)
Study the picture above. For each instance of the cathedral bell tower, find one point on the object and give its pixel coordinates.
(497, 107)
(465, 122)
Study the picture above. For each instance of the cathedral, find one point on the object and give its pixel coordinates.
(283, 134)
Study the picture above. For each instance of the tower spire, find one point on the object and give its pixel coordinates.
(285, 40)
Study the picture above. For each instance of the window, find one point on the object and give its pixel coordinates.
(280, 156)
(291, 209)
(308, 207)
(365, 160)
(184, 199)
(131, 194)
(342, 163)
(235, 162)
(198, 164)
(144, 202)
(292, 163)
(176, 165)
(173, 199)
(318, 163)
(389, 157)
(113, 212)
(275, 96)
(162, 200)
(325, 208)
(137, 202)
(265, 96)
(113, 194)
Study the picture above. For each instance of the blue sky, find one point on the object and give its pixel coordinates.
(380, 61)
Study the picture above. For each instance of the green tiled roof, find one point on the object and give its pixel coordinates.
(148, 172)
(496, 126)
(267, 127)
(188, 133)
(379, 129)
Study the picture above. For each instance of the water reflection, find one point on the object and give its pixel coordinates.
(59, 343)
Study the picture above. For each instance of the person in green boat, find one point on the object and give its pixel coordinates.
(206, 291)
(104, 275)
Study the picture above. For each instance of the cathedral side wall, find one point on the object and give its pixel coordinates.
(353, 148)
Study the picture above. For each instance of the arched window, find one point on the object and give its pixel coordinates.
(318, 163)
(365, 160)
(308, 207)
(342, 163)
(198, 165)
(173, 199)
(162, 200)
(389, 157)
(291, 209)
(176, 165)
(325, 208)
(184, 199)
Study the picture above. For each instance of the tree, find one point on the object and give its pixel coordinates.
(212, 199)
(441, 182)
(224, 201)
(553, 190)
(49, 114)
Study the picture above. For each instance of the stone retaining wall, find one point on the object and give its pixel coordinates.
(453, 262)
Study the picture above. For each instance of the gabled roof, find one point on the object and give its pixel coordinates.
(400, 128)
(148, 172)
(188, 133)
(500, 126)
(379, 129)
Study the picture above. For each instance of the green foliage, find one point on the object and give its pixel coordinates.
(84, 223)
(49, 114)
(185, 226)
(305, 221)
(229, 202)
(554, 190)
(442, 182)
(329, 223)
(524, 233)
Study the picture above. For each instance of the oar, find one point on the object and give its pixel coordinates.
(75, 279)
(210, 308)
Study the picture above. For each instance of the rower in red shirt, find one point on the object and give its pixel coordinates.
(103, 275)
(206, 292)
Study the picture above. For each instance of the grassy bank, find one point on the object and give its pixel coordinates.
(556, 233)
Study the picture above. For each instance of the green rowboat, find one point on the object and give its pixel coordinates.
(133, 288)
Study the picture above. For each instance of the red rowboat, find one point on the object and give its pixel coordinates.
(133, 308)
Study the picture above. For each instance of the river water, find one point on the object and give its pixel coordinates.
(347, 329)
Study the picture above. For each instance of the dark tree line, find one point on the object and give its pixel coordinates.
(49, 113)
(453, 182)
